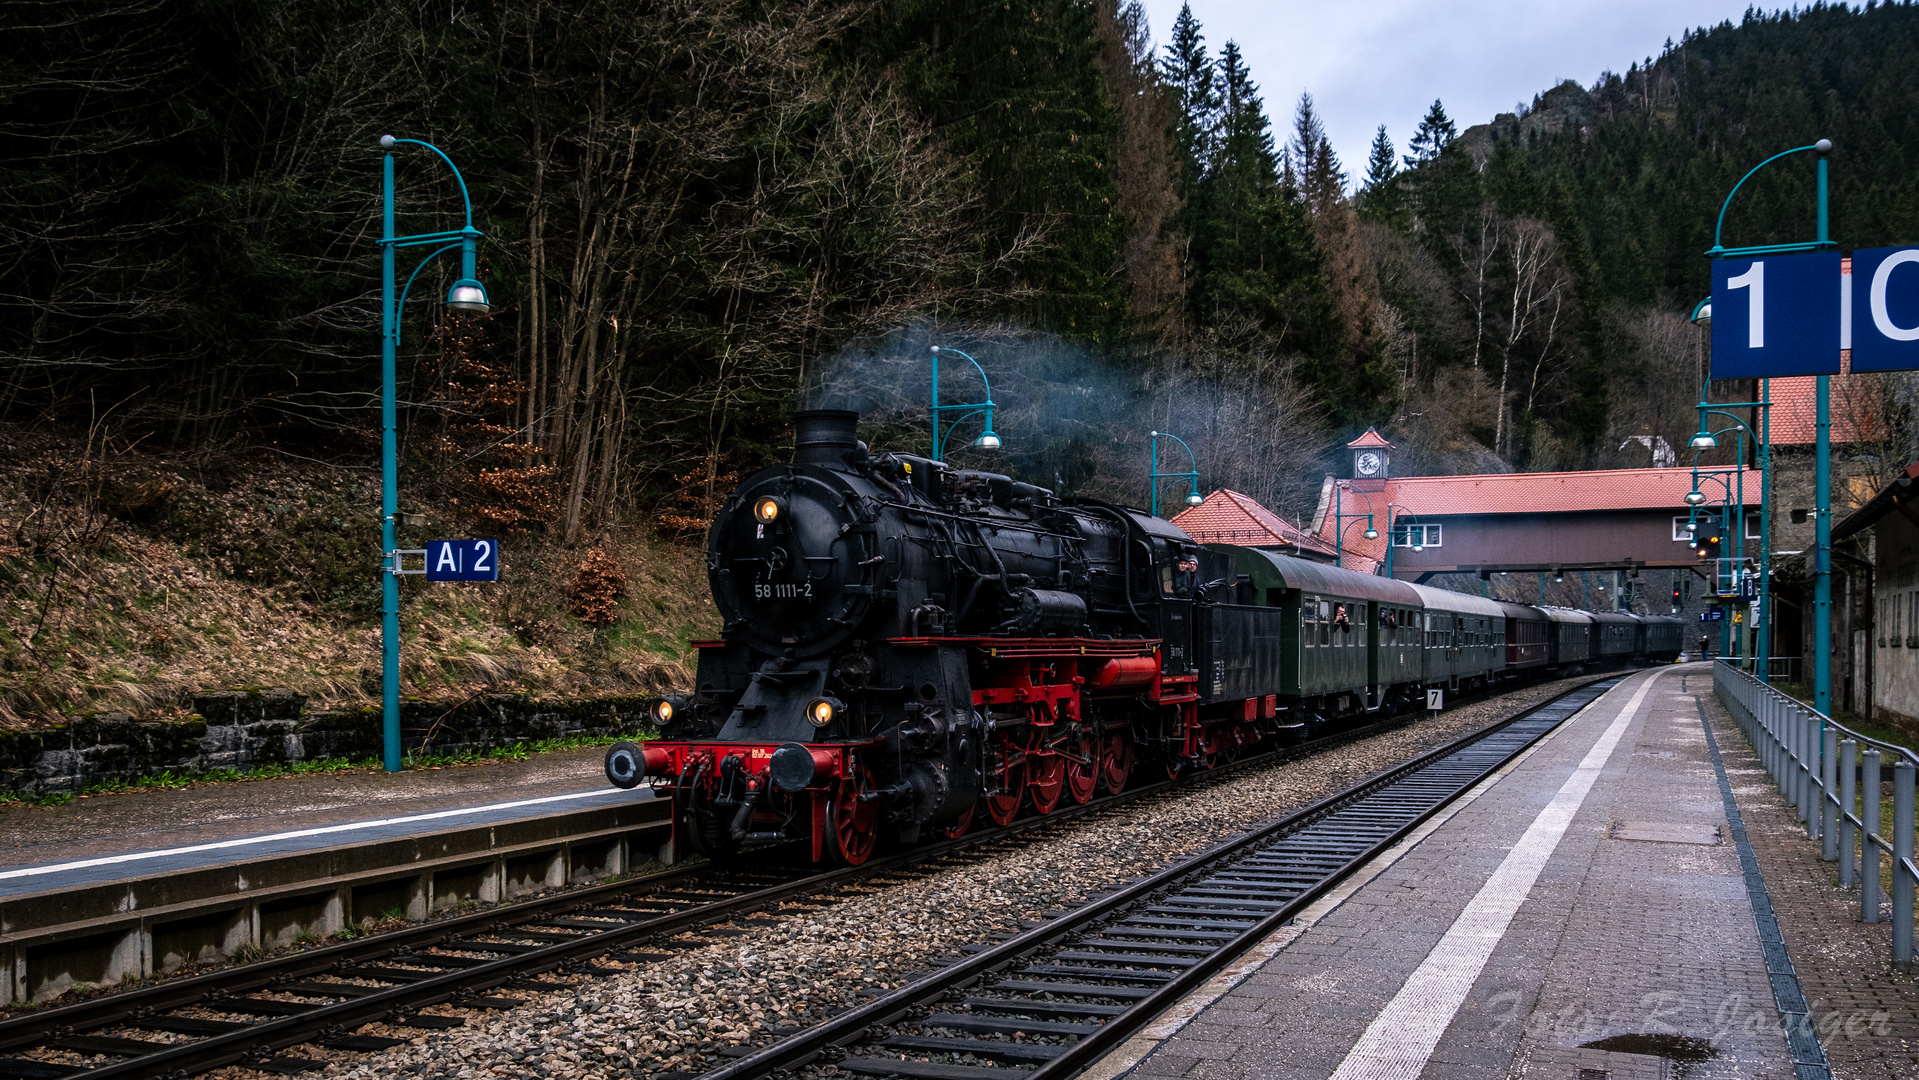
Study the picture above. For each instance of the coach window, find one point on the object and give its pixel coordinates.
(1309, 621)
(1325, 623)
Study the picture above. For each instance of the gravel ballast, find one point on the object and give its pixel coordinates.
(675, 1015)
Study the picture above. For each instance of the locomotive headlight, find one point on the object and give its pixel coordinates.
(821, 711)
(769, 509)
(662, 711)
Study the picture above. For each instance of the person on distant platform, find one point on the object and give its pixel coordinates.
(1704, 641)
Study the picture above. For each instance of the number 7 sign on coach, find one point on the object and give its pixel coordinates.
(1776, 315)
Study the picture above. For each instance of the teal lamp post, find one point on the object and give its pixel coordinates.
(1822, 485)
(1393, 534)
(1191, 476)
(1707, 541)
(1761, 659)
(942, 430)
(1339, 524)
(467, 294)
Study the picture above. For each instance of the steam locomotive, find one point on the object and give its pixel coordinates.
(909, 648)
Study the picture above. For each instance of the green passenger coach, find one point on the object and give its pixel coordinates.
(1346, 642)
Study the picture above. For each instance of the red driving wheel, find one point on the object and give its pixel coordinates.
(1045, 779)
(852, 826)
(959, 826)
(1082, 771)
(1002, 808)
(1113, 762)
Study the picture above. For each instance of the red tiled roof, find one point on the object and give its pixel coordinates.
(1427, 497)
(1372, 438)
(1851, 406)
(1228, 517)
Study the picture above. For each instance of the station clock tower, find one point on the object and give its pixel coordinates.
(1372, 460)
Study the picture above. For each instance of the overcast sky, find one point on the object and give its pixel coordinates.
(1372, 62)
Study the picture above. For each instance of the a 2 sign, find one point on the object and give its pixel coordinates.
(463, 560)
(1792, 314)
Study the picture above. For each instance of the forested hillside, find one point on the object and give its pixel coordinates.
(1572, 233)
(700, 216)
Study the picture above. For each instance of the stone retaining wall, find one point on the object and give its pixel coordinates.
(243, 729)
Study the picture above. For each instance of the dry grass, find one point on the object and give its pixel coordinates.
(128, 582)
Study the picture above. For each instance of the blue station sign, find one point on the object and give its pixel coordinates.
(1777, 315)
(463, 560)
(1885, 309)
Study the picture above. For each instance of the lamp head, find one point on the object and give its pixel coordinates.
(1370, 533)
(1419, 547)
(468, 295)
(386, 142)
(1704, 440)
(1702, 315)
(988, 440)
(1193, 498)
(1695, 497)
(1823, 146)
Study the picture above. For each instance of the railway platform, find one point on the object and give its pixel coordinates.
(131, 885)
(154, 831)
(1587, 913)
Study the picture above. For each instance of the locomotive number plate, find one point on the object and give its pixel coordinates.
(783, 590)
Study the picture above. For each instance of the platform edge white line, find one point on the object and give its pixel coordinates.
(1402, 1038)
(1134, 1050)
(296, 834)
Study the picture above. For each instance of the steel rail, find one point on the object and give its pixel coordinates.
(1150, 968)
(251, 1044)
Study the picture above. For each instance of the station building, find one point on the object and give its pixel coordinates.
(1887, 528)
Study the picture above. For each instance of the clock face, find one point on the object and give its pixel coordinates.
(1367, 463)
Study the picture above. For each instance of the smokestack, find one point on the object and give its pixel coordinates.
(825, 436)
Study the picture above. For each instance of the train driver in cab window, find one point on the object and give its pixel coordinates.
(1184, 580)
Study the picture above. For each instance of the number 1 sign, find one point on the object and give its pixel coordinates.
(1775, 315)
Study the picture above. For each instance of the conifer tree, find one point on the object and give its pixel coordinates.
(1382, 199)
(1188, 73)
(1381, 166)
(1434, 134)
(1321, 180)
(1260, 278)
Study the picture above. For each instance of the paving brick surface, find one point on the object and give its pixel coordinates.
(1620, 941)
(1867, 1014)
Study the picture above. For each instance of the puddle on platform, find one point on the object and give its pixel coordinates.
(1683, 1051)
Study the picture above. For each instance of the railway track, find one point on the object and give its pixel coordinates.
(248, 1015)
(1047, 1003)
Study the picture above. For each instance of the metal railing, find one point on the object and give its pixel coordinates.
(1834, 787)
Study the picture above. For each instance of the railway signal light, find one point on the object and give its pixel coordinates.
(1707, 544)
